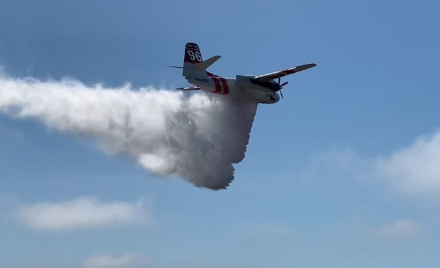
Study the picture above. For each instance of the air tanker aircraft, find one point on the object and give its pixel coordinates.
(263, 88)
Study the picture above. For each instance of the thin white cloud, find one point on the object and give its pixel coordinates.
(344, 162)
(415, 169)
(83, 212)
(112, 261)
(264, 230)
(398, 230)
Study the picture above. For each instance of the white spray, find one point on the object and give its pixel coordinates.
(196, 136)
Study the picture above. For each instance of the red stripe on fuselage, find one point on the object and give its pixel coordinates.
(216, 82)
(217, 79)
(225, 85)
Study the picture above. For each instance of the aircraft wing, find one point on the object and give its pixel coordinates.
(188, 88)
(274, 75)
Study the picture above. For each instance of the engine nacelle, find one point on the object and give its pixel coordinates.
(259, 92)
(243, 80)
(250, 81)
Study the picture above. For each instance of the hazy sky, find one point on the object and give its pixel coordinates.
(343, 172)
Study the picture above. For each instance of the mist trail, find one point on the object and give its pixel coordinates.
(196, 136)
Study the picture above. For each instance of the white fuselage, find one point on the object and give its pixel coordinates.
(229, 86)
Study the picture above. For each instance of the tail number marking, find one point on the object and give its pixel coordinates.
(194, 56)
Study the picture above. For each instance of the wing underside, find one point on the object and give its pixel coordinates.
(279, 74)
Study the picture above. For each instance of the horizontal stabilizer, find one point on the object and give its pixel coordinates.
(205, 64)
(188, 88)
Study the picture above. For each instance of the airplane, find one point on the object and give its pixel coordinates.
(262, 88)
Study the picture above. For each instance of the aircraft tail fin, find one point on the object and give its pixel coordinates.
(192, 53)
(193, 61)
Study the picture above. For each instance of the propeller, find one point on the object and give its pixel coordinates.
(281, 86)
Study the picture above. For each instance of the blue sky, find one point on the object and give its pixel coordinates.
(341, 173)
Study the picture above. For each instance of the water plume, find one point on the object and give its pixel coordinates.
(196, 136)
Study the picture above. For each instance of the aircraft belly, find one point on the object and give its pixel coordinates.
(251, 92)
(223, 86)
